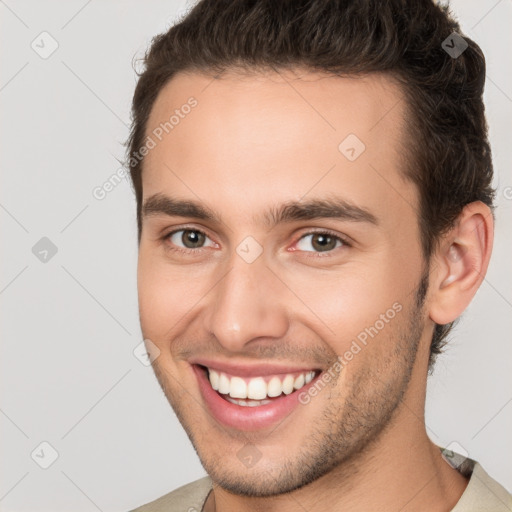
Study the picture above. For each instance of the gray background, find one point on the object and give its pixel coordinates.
(70, 322)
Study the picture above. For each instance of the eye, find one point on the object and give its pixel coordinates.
(320, 242)
(186, 240)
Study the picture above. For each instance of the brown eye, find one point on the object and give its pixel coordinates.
(321, 242)
(189, 239)
(192, 239)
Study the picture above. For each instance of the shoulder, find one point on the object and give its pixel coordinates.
(483, 494)
(188, 498)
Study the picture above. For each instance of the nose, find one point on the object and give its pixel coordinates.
(245, 305)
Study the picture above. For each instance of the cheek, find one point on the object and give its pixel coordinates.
(166, 295)
(157, 297)
(359, 306)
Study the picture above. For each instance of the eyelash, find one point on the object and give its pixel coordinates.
(344, 241)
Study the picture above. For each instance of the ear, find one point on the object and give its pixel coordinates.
(460, 263)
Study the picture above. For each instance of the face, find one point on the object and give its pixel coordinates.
(279, 267)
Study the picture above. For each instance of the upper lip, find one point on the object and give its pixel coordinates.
(244, 369)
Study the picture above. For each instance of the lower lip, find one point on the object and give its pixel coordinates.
(246, 418)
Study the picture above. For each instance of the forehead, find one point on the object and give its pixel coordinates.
(278, 136)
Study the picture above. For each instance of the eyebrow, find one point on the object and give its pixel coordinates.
(160, 204)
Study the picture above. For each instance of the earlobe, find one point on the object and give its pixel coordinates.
(461, 262)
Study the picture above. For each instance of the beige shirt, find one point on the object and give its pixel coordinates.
(482, 494)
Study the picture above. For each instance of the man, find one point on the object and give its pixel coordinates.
(313, 184)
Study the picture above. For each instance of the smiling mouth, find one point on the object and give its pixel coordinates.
(259, 390)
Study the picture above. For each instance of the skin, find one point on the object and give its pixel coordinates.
(255, 142)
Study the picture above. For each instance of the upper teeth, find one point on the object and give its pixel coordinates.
(258, 388)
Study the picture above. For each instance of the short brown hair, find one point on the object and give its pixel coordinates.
(448, 155)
